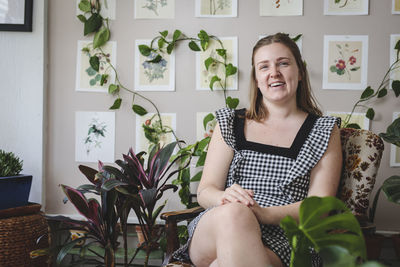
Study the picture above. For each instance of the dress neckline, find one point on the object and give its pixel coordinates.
(290, 152)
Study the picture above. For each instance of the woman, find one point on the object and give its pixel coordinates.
(262, 162)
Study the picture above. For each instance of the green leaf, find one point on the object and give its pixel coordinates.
(84, 6)
(382, 92)
(201, 160)
(94, 63)
(145, 50)
(157, 59)
(370, 114)
(355, 69)
(353, 125)
(209, 117)
(111, 184)
(101, 37)
(396, 87)
(164, 34)
(176, 35)
(66, 248)
(333, 256)
(232, 102)
(197, 177)
(391, 188)
(113, 88)
(367, 93)
(297, 37)
(82, 18)
(397, 46)
(221, 52)
(392, 134)
(117, 104)
(139, 110)
(214, 79)
(208, 62)
(203, 36)
(201, 147)
(333, 68)
(161, 43)
(170, 47)
(90, 71)
(103, 80)
(194, 46)
(92, 24)
(204, 45)
(230, 70)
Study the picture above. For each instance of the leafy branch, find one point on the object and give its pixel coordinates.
(369, 93)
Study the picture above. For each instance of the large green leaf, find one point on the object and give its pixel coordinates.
(92, 24)
(392, 134)
(367, 92)
(209, 117)
(317, 228)
(391, 188)
(101, 37)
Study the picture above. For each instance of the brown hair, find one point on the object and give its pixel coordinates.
(304, 97)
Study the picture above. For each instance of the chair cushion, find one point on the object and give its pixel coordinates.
(362, 153)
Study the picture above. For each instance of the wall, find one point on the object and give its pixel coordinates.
(22, 96)
(65, 30)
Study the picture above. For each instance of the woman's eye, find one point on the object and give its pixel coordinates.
(284, 63)
(263, 67)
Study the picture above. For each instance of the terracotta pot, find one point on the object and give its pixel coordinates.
(154, 236)
(396, 244)
(374, 244)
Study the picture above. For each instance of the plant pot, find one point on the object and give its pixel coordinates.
(14, 191)
(75, 234)
(396, 245)
(154, 237)
(374, 244)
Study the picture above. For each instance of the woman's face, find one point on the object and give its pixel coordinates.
(277, 74)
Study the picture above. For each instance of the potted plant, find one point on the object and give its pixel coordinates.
(14, 187)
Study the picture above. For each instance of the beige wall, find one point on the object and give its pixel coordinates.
(65, 30)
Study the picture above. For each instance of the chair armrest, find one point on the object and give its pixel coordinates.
(181, 215)
(171, 228)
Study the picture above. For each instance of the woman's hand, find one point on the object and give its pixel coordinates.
(236, 193)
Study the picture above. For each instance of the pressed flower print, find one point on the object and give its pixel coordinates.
(216, 8)
(281, 7)
(154, 9)
(346, 7)
(150, 76)
(203, 77)
(94, 136)
(345, 62)
(89, 79)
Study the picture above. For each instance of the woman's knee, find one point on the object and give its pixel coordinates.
(236, 215)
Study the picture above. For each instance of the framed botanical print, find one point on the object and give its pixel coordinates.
(16, 15)
(216, 8)
(346, 7)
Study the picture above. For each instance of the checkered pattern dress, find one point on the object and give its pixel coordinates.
(278, 176)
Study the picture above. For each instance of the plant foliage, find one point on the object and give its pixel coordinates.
(10, 165)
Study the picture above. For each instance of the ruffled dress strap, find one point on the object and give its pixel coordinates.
(226, 119)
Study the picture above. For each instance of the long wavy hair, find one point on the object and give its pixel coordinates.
(304, 96)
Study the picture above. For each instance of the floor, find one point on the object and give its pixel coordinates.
(388, 255)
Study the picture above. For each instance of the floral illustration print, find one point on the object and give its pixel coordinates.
(154, 5)
(104, 60)
(154, 71)
(278, 3)
(342, 3)
(154, 132)
(216, 5)
(96, 133)
(347, 61)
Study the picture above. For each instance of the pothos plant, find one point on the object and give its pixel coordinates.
(370, 94)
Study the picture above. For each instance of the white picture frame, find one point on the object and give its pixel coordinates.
(203, 76)
(345, 7)
(345, 62)
(154, 76)
(94, 136)
(87, 79)
(210, 9)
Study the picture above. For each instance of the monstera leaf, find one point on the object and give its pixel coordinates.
(319, 228)
(334, 256)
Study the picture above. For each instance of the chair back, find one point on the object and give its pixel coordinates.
(362, 154)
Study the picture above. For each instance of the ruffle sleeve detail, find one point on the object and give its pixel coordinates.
(310, 154)
(226, 118)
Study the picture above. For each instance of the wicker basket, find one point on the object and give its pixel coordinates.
(19, 234)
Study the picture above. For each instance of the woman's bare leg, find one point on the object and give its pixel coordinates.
(232, 233)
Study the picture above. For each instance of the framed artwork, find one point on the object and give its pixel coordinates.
(216, 8)
(205, 124)
(396, 7)
(107, 10)
(94, 136)
(154, 9)
(158, 76)
(395, 74)
(345, 62)
(357, 117)
(87, 78)
(346, 7)
(281, 7)
(203, 77)
(16, 15)
(395, 150)
(299, 41)
(151, 120)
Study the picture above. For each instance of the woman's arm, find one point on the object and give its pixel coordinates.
(324, 181)
(212, 184)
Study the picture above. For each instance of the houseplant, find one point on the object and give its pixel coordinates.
(14, 187)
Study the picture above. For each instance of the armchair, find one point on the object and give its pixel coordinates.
(362, 153)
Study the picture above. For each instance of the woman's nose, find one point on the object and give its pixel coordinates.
(274, 71)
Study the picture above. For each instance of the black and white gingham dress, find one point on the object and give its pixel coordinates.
(278, 176)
